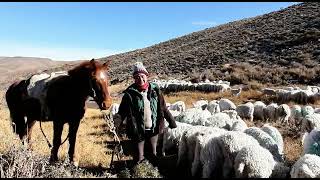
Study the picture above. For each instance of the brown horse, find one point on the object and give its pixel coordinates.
(65, 102)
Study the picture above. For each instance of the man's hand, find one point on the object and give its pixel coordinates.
(172, 125)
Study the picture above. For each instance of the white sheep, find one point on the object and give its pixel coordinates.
(201, 104)
(168, 105)
(316, 110)
(187, 144)
(275, 134)
(220, 120)
(283, 95)
(258, 113)
(232, 114)
(283, 113)
(226, 104)
(269, 91)
(311, 142)
(258, 162)
(239, 125)
(174, 113)
(254, 162)
(231, 143)
(245, 111)
(307, 110)
(296, 115)
(211, 159)
(270, 112)
(307, 166)
(194, 116)
(266, 141)
(213, 107)
(201, 140)
(172, 137)
(309, 122)
(178, 106)
(236, 91)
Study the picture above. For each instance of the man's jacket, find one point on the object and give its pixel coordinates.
(132, 108)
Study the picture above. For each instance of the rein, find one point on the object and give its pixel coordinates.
(118, 147)
(49, 144)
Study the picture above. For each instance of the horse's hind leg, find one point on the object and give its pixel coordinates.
(73, 129)
(57, 132)
(30, 125)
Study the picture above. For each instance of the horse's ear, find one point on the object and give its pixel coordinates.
(93, 63)
(107, 64)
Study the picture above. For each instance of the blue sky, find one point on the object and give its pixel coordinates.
(86, 30)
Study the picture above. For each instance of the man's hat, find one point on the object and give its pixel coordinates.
(139, 68)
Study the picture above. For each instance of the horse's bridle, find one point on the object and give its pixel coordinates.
(93, 92)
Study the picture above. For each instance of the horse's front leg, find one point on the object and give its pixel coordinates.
(57, 132)
(73, 129)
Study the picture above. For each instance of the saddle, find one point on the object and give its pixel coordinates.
(38, 86)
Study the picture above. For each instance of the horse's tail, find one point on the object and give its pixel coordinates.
(14, 98)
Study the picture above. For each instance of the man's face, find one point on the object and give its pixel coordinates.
(140, 79)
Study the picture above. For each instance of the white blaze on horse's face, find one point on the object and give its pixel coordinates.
(104, 96)
(103, 76)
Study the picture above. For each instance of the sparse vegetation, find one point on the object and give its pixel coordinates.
(263, 48)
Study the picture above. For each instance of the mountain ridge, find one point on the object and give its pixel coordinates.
(284, 39)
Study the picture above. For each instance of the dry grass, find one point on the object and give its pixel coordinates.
(293, 149)
(190, 97)
(19, 162)
(91, 139)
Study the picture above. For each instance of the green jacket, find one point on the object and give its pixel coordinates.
(132, 108)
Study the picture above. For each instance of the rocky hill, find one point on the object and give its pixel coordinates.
(280, 47)
(277, 48)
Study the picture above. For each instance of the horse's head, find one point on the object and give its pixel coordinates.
(95, 74)
(100, 84)
(15, 96)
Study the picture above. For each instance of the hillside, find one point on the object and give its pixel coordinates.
(14, 68)
(278, 48)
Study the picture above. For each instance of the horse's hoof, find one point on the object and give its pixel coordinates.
(53, 160)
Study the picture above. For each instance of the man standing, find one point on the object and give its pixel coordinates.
(144, 109)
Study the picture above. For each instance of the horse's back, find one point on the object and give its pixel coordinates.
(38, 84)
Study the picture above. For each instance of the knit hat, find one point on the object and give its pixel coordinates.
(139, 68)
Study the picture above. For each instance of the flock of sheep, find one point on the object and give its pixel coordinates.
(284, 95)
(212, 140)
(175, 85)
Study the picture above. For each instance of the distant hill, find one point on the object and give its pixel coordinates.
(280, 47)
(15, 68)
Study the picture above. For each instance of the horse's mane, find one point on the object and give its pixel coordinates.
(81, 68)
